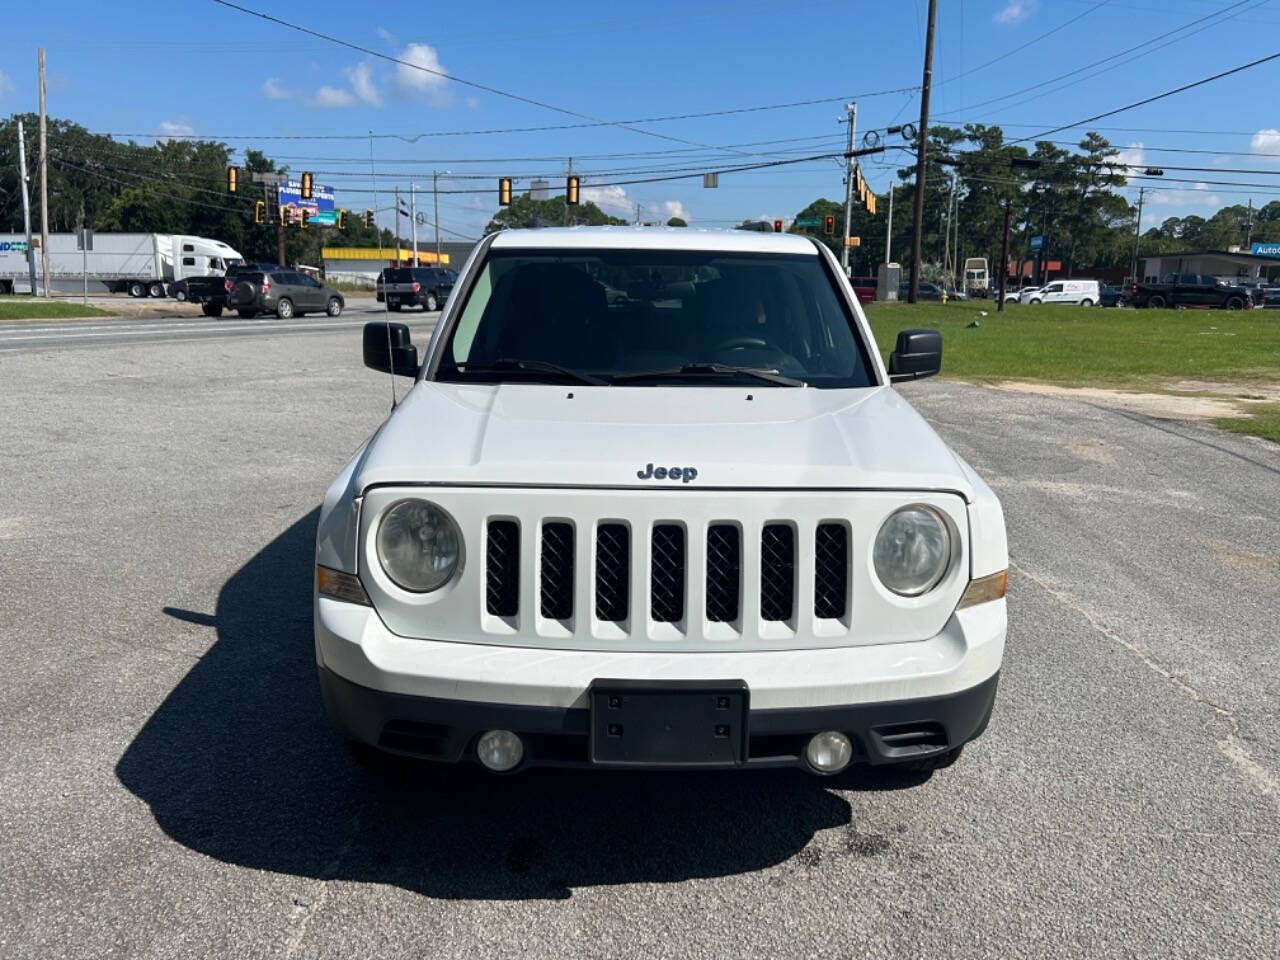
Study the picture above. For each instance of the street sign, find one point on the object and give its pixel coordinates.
(1037, 243)
(270, 177)
(853, 241)
(84, 239)
(807, 222)
(710, 180)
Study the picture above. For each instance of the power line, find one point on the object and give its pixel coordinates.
(1023, 46)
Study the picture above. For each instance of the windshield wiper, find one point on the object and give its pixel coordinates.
(532, 366)
(695, 370)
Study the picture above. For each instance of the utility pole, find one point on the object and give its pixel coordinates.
(44, 184)
(888, 230)
(1137, 233)
(26, 209)
(1248, 239)
(566, 195)
(917, 218)
(852, 110)
(1004, 256)
(397, 226)
(413, 220)
(946, 242)
(435, 191)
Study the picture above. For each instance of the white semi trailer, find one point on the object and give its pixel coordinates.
(140, 264)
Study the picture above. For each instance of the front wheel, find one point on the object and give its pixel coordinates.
(180, 296)
(1086, 302)
(432, 304)
(1157, 302)
(1235, 303)
(211, 310)
(284, 309)
(1036, 302)
(334, 308)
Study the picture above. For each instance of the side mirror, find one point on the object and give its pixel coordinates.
(917, 354)
(387, 349)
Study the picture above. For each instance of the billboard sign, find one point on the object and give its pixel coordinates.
(1266, 250)
(1037, 243)
(320, 206)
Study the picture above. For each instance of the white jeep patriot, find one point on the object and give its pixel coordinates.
(652, 502)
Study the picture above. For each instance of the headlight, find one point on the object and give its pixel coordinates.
(418, 545)
(912, 551)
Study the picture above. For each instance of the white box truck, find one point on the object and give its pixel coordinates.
(976, 280)
(140, 264)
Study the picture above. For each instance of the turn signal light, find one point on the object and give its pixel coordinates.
(984, 589)
(341, 586)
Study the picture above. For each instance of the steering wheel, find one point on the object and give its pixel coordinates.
(741, 343)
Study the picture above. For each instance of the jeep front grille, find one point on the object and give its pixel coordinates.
(502, 580)
(557, 570)
(613, 572)
(777, 572)
(830, 571)
(666, 580)
(724, 567)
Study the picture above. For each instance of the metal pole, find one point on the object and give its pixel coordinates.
(1137, 233)
(1248, 238)
(1004, 256)
(413, 220)
(852, 109)
(888, 230)
(946, 241)
(397, 226)
(26, 209)
(84, 262)
(917, 217)
(435, 216)
(44, 184)
(566, 196)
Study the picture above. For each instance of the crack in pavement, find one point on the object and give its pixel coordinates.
(310, 908)
(1232, 746)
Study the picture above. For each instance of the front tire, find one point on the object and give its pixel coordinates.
(180, 296)
(1086, 302)
(1156, 302)
(1234, 303)
(1034, 303)
(284, 309)
(334, 309)
(432, 304)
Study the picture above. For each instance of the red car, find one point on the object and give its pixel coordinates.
(864, 287)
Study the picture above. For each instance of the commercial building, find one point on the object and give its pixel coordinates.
(1216, 263)
(361, 265)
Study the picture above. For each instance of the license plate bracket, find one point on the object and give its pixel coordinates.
(668, 724)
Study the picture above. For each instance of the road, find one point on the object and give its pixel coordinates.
(186, 324)
(168, 788)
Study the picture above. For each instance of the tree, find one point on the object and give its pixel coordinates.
(524, 211)
(677, 222)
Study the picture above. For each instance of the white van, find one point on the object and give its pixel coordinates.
(1085, 293)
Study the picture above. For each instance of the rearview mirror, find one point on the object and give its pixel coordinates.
(917, 354)
(387, 349)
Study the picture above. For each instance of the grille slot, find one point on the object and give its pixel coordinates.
(613, 572)
(724, 565)
(666, 582)
(502, 563)
(557, 570)
(777, 572)
(831, 571)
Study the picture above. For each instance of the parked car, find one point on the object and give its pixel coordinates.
(1191, 290)
(928, 291)
(1110, 296)
(1084, 293)
(864, 287)
(286, 293)
(503, 572)
(425, 287)
(1271, 296)
(1257, 290)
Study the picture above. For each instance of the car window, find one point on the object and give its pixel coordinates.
(613, 312)
(1188, 278)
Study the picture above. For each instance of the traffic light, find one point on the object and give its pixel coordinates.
(871, 203)
(342, 219)
(306, 186)
(284, 216)
(306, 216)
(829, 225)
(777, 226)
(504, 191)
(233, 179)
(862, 185)
(259, 212)
(368, 218)
(571, 191)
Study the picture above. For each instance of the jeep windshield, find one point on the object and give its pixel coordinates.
(655, 318)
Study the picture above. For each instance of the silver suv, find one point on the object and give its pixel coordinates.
(286, 293)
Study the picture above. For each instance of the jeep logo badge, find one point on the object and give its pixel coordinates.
(683, 474)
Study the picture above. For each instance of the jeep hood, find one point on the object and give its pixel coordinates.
(734, 437)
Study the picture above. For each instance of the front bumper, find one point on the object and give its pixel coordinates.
(432, 699)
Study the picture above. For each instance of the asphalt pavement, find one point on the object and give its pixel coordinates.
(168, 787)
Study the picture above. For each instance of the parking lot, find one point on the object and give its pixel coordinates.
(170, 789)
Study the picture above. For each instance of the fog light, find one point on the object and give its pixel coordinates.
(829, 752)
(500, 750)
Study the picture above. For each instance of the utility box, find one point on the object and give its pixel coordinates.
(888, 277)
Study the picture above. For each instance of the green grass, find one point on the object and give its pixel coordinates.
(1092, 346)
(1263, 422)
(28, 309)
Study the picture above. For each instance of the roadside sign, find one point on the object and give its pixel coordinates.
(853, 241)
(270, 177)
(84, 239)
(1265, 249)
(806, 222)
(1037, 243)
(710, 180)
(319, 206)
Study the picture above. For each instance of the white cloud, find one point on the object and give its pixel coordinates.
(424, 76)
(6, 85)
(272, 89)
(1134, 155)
(1015, 11)
(331, 97)
(674, 208)
(472, 103)
(1199, 197)
(612, 200)
(1266, 141)
(386, 36)
(169, 129)
(362, 84)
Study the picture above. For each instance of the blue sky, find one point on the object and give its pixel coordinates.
(153, 68)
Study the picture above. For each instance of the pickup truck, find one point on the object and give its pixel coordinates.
(211, 293)
(1191, 290)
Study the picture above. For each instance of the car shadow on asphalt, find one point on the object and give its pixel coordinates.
(239, 764)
